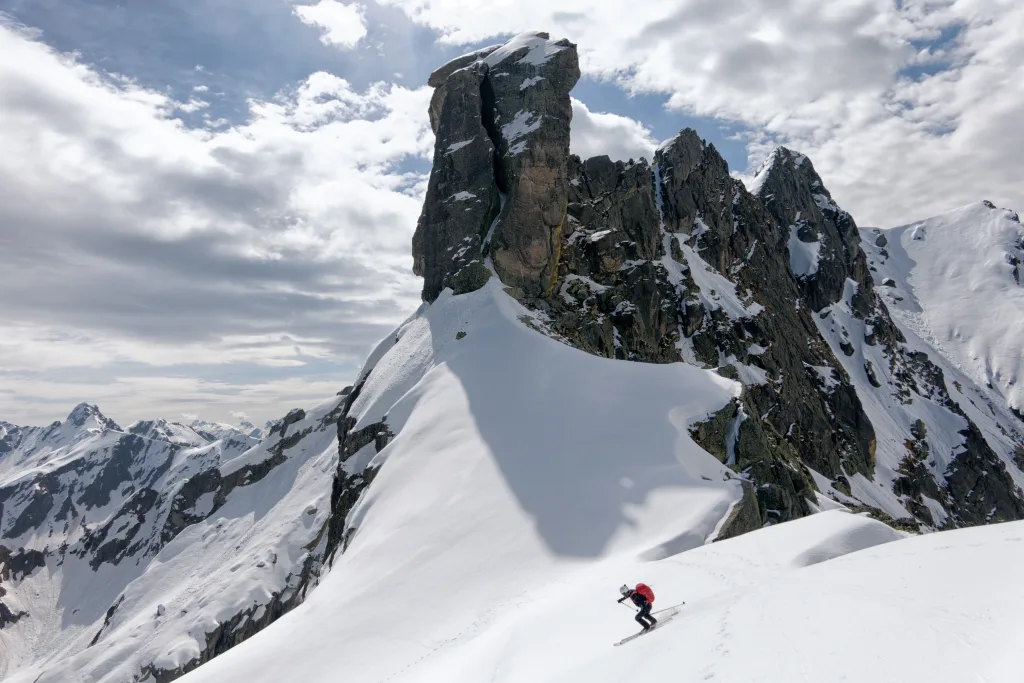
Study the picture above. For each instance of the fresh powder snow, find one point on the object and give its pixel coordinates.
(539, 50)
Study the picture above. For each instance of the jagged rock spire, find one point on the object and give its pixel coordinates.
(499, 184)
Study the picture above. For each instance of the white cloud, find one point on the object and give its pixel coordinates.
(827, 77)
(193, 105)
(130, 240)
(342, 25)
(620, 137)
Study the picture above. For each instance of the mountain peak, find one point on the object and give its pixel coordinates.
(782, 162)
(83, 412)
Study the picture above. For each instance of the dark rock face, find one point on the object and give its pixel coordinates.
(980, 489)
(352, 477)
(615, 299)
(501, 117)
(462, 196)
(740, 240)
(746, 516)
(793, 193)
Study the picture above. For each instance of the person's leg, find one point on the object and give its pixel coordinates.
(645, 614)
(640, 618)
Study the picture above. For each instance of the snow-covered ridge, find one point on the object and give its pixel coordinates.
(540, 497)
(516, 462)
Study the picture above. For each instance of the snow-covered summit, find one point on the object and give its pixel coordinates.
(86, 415)
(538, 46)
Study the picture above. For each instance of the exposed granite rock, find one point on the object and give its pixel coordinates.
(751, 447)
(697, 191)
(745, 515)
(915, 478)
(17, 564)
(614, 298)
(501, 116)
(7, 615)
(732, 233)
(981, 491)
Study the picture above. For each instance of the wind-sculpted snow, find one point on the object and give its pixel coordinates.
(145, 557)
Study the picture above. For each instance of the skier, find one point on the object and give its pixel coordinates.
(643, 597)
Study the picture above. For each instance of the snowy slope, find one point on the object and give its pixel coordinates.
(958, 283)
(825, 598)
(950, 287)
(130, 554)
(520, 466)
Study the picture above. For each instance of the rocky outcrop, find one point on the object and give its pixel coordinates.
(824, 239)
(462, 195)
(499, 184)
(793, 378)
(354, 473)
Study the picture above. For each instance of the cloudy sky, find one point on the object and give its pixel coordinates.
(206, 207)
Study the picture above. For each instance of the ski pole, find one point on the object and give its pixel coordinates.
(665, 609)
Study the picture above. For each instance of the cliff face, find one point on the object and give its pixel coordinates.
(675, 260)
(499, 187)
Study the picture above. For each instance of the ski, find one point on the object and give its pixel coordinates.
(669, 614)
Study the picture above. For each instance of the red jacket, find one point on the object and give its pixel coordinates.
(645, 590)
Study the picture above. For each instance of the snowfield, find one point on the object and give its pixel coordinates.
(958, 282)
(528, 480)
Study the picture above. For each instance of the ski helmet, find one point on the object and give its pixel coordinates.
(624, 590)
